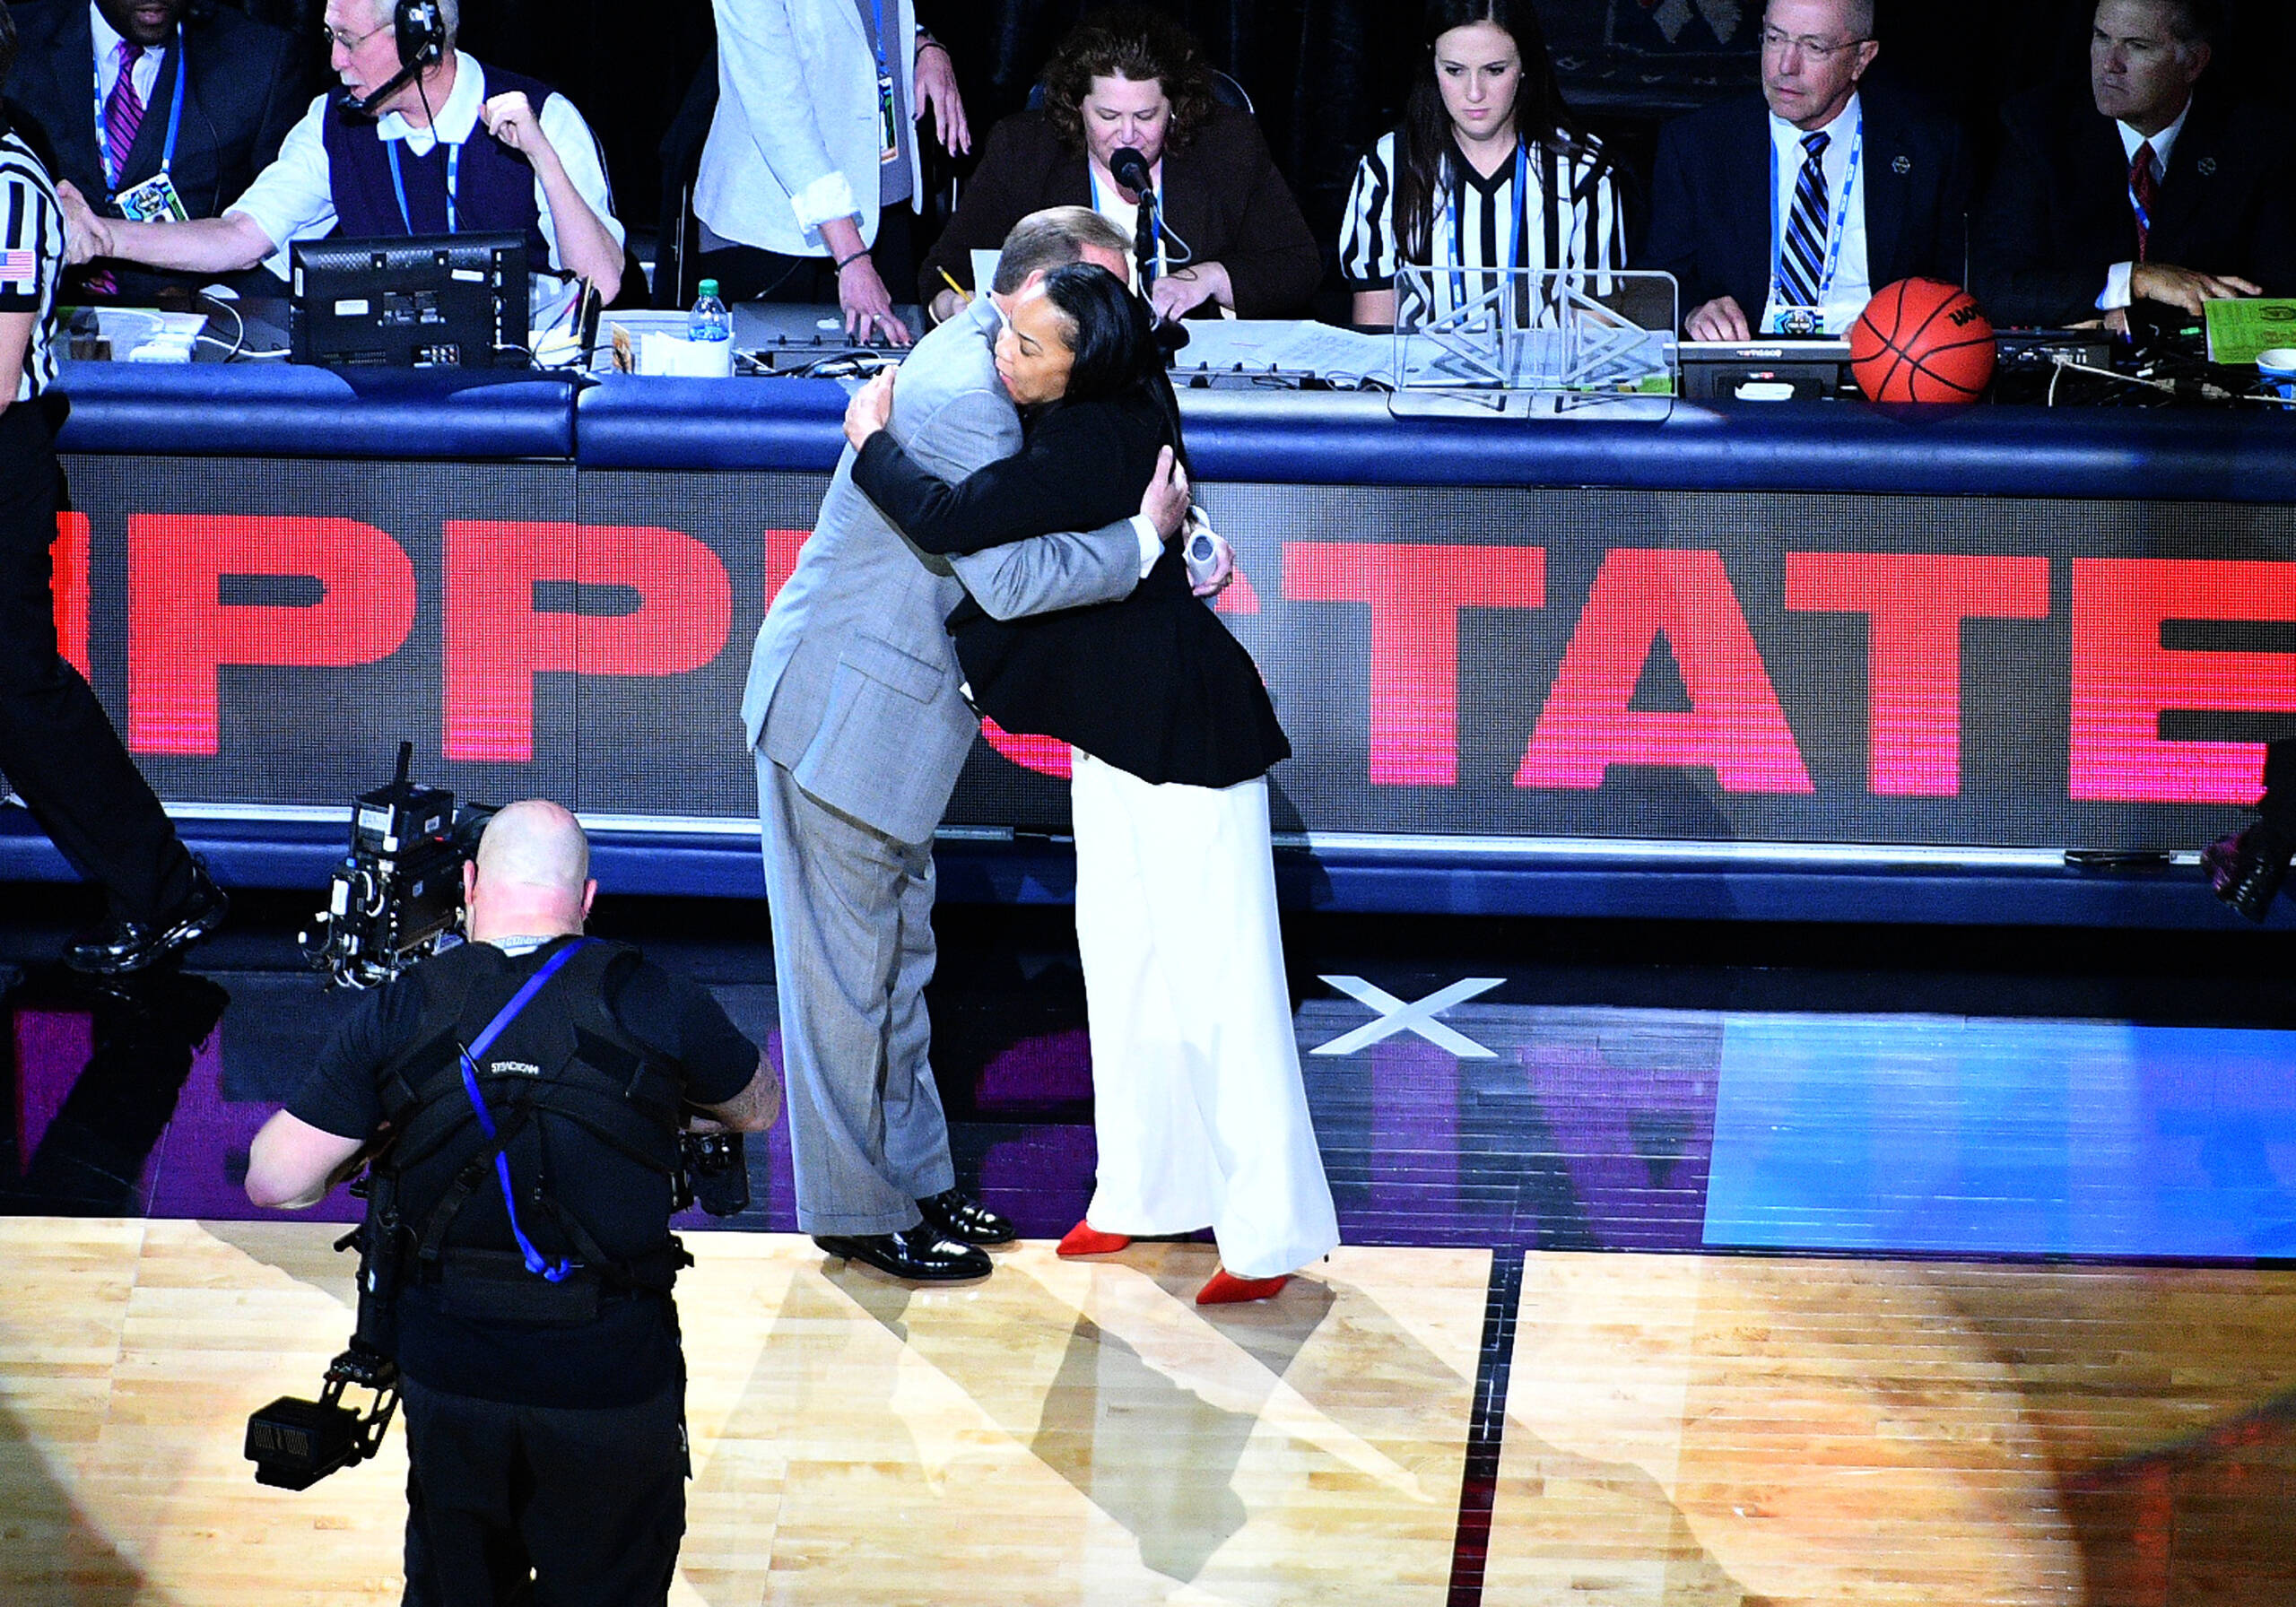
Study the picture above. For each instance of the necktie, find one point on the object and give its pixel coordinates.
(1806, 228)
(122, 112)
(2140, 188)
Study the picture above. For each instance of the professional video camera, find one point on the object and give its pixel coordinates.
(398, 896)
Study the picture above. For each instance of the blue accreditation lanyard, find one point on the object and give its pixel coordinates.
(1836, 234)
(175, 114)
(454, 182)
(535, 1261)
(1518, 203)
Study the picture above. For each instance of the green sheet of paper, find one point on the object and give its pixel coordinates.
(2238, 331)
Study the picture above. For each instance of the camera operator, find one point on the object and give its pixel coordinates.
(531, 1320)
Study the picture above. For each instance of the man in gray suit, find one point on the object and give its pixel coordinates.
(858, 728)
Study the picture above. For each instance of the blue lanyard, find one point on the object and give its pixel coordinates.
(549, 1272)
(1835, 235)
(175, 114)
(1517, 201)
(454, 182)
(879, 7)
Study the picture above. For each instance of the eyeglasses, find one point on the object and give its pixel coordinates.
(347, 42)
(1775, 41)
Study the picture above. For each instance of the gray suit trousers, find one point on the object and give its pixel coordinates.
(852, 953)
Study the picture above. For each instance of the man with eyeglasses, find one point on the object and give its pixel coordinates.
(399, 154)
(1780, 214)
(2149, 189)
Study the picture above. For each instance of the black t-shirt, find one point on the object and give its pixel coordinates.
(631, 1352)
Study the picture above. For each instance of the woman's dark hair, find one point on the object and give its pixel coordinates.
(1423, 145)
(1112, 333)
(1127, 41)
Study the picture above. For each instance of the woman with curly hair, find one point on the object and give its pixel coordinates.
(1489, 170)
(1232, 240)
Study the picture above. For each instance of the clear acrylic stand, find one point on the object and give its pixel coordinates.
(1519, 343)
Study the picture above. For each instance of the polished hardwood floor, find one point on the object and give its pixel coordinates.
(1679, 1431)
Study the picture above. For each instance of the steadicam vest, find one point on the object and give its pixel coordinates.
(562, 1065)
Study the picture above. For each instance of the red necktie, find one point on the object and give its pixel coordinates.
(2140, 185)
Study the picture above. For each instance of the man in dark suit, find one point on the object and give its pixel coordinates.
(2150, 189)
(99, 84)
(1782, 213)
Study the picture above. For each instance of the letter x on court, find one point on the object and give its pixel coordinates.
(1395, 1016)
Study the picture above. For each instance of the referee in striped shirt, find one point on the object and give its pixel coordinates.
(57, 748)
(1488, 171)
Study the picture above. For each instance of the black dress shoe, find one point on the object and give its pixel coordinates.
(919, 1254)
(2246, 870)
(966, 1220)
(121, 946)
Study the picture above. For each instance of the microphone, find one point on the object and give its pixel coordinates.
(1130, 170)
(363, 106)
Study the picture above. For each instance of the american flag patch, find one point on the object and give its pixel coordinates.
(19, 267)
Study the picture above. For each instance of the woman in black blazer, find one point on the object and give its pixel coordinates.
(1128, 78)
(1198, 1106)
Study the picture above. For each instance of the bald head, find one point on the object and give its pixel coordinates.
(532, 875)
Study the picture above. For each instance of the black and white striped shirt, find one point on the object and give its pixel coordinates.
(31, 255)
(1561, 220)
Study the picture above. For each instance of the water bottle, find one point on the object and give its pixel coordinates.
(708, 320)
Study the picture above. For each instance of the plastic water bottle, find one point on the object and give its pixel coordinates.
(708, 320)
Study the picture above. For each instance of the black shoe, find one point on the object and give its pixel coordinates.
(959, 1216)
(2246, 870)
(120, 946)
(919, 1254)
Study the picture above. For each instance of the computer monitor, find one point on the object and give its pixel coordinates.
(432, 301)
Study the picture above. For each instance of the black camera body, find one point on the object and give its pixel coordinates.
(398, 896)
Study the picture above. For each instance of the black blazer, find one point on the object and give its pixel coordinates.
(1709, 198)
(243, 91)
(2057, 217)
(1154, 683)
(1221, 195)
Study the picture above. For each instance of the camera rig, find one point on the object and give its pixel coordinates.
(398, 896)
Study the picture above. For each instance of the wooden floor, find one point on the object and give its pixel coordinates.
(1678, 1430)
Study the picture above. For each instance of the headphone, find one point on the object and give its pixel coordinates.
(421, 28)
(422, 32)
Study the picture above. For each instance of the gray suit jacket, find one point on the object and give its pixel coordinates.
(853, 681)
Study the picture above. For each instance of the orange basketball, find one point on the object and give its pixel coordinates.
(1922, 340)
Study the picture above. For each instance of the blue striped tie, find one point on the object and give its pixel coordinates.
(1806, 230)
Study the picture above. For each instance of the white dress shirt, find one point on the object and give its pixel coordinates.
(147, 75)
(294, 198)
(2118, 294)
(1853, 279)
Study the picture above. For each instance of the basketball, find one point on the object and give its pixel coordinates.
(1920, 340)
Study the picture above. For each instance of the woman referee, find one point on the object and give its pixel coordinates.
(1489, 170)
(59, 751)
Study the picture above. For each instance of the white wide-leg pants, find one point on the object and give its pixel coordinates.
(1197, 1097)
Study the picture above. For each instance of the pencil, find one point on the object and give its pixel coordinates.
(963, 295)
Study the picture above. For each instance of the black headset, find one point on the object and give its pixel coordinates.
(422, 32)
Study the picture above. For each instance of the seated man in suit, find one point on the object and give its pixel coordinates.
(1781, 214)
(187, 100)
(2149, 189)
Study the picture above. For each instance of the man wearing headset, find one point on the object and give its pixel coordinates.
(152, 107)
(396, 155)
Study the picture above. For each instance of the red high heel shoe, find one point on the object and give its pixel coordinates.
(1225, 1289)
(1084, 1239)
